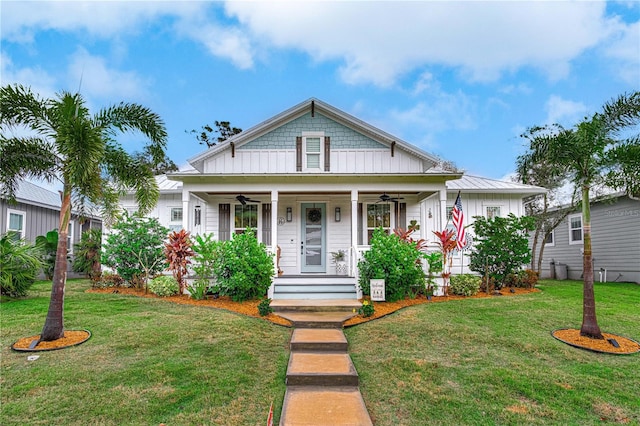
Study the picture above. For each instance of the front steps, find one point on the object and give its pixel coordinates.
(322, 382)
(314, 287)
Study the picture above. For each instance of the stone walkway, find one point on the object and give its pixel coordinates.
(322, 383)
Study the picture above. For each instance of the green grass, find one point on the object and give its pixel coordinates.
(147, 362)
(493, 361)
(470, 362)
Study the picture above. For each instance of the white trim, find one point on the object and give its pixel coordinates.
(232, 217)
(365, 225)
(70, 236)
(486, 205)
(24, 221)
(571, 240)
(553, 239)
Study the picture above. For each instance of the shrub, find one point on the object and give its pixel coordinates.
(178, 251)
(109, 280)
(367, 309)
(395, 260)
(465, 284)
(501, 246)
(264, 307)
(48, 246)
(164, 286)
(243, 267)
(198, 289)
(86, 258)
(20, 265)
(136, 247)
(523, 279)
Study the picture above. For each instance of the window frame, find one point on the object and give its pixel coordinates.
(365, 222)
(305, 153)
(23, 214)
(70, 236)
(235, 231)
(573, 241)
(552, 234)
(492, 206)
(171, 214)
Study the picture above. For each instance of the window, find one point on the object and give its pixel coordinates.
(492, 211)
(245, 217)
(176, 214)
(575, 229)
(16, 222)
(313, 148)
(449, 212)
(378, 215)
(550, 239)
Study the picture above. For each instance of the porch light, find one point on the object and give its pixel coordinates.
(338, 215)
(289, 214)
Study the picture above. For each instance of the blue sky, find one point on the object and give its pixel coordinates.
(461, 80)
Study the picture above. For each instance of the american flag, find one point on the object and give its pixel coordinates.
(458, 221)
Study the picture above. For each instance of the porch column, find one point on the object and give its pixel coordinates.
(353, 261)
(185, 210)
(274, 237)
(443, 208)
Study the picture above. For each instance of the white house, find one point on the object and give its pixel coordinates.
(314, 180)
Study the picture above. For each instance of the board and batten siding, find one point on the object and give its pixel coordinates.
(615, 234)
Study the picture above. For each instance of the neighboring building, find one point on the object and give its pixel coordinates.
(314, 180)
(37, 212)
(615, 239)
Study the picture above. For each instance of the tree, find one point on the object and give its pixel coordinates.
(146, 157)
(537, 206)
(601, 150)
(80, 150)
(206, 136)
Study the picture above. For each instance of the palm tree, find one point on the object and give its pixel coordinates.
(603, 150)
(66, 143)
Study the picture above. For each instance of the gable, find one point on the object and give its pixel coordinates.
(284, 137)
(348, 145)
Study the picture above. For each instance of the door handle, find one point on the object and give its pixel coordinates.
(302, 247)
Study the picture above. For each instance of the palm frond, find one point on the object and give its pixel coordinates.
(19, 106)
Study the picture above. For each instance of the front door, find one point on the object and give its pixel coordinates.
(313, 238)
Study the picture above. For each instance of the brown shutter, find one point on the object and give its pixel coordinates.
(224, 222)
(299, 153)
(360, 224)
(401, 222)
(266, 224)
(327, 153)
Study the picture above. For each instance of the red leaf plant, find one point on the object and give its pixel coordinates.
(447, 243)
(178, 251)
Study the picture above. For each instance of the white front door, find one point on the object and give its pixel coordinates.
(313, 238)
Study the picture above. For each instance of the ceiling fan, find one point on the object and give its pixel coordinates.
(243, 200)
(386, 198)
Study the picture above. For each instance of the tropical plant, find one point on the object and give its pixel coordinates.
(243, 267)
(205, 250)
(395, 260)
(264, 307)
(48, 245)
(465, 284)
(178, 251)
(446, 241)
(501, 246)
(435, 265)
(20, 265)
(602, 150)
(67, 143)
(198, 289)
(164, 286)
(338, 256)
(135, 248)
(86, 255)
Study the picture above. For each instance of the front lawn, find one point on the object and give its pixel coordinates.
(493, 361)
(464, 362)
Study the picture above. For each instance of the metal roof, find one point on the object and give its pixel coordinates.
(470, 183)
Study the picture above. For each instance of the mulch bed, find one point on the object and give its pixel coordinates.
(382, 309)
(71, 338)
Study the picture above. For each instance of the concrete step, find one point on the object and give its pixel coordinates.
(326, 406)
(326, 319)
(315, 305)
(318, 340)
(321, 369)
(278, 294)
(312, 280)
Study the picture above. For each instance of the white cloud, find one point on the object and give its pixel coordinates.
(379, 41)
(624, 52)
(563, 111)
(99, 80)
(36, 78)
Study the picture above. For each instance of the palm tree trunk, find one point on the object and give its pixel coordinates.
(54, 324)
(590, 326)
